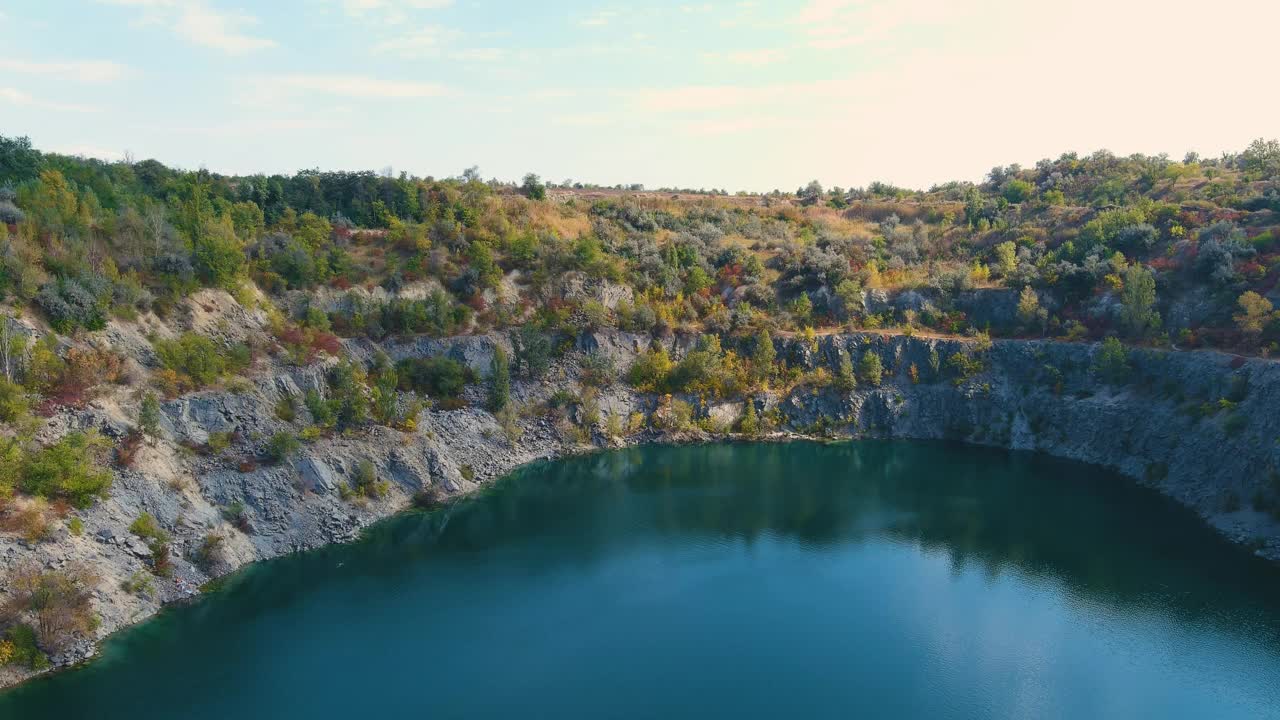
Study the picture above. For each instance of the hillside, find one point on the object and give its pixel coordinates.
(201, 371)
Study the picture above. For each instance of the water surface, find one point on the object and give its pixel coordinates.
(873, 579)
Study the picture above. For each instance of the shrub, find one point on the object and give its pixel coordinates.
(650, 371)
(198, 360)
(67, 470)
(367, 482)
(139, 583)
(60, 600)
(281, 446)
(238, 515)
(146, 527)
(209, 555)
(70, 304)
(440, 377)
(23, 648)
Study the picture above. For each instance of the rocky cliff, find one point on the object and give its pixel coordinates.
(1197, 426)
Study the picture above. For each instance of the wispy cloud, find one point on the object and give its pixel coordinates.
(89, 151)
(13, 96)
(426, 41)
(835, 24)
(351, 86)
(598, 19)
(199, 23)
(389, 12)
(87, 71)
(753, 58)
(707, 98)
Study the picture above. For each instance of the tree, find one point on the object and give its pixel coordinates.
(1016, 191)
(749, 424)
(149, 416)
(763, 356)
(499, 380)
(845, 379)
(217, 254)
(1112, 362)
(1028, 305)
(810, 194)
(533, 187)
(871, 368)
(61, 601)
(12, 347)
(1138, 314)
(66, 470)
(1006, 258)
(1255, 311)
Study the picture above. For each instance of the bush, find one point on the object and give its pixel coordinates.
(69, 305)
(146, 527)
(650, 371)
(281, 446)
(198, 360)
(62, 603)
(67, 470)
(23, 648)
(440, 377)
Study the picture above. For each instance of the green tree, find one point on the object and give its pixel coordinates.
(845, 379)
(749, 423)
(1006, 258)
(1138, 314)
(217, 254)
(533, 188)
(1016, 191)
(149, 416)
(1112, 361)
(762, 356)
(66, 470)
(871, 368)
(499, 380)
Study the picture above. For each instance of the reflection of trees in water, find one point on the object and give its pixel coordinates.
(1105, 539)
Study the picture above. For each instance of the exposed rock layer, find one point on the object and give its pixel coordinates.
(1026, 395)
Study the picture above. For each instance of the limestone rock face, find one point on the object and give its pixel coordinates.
(1027, 395)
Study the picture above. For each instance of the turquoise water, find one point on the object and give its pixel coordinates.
(874, 579)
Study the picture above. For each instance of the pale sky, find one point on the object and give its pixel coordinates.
(742, 95)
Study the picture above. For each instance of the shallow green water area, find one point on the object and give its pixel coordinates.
(869, 579)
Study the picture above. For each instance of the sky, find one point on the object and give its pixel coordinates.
(740, 95)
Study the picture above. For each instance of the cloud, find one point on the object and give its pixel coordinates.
(599, 19)
(13, 96)
(87, 71)
(836, 24)
(351, 86)
(88, 151)
(479, 54)
(707, 98)
(389, 12)
(426, 41)
(753, 58)
(200, 24)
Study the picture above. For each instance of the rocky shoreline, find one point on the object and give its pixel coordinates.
(1197, 426)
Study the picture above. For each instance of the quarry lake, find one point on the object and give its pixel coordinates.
(867, 579)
